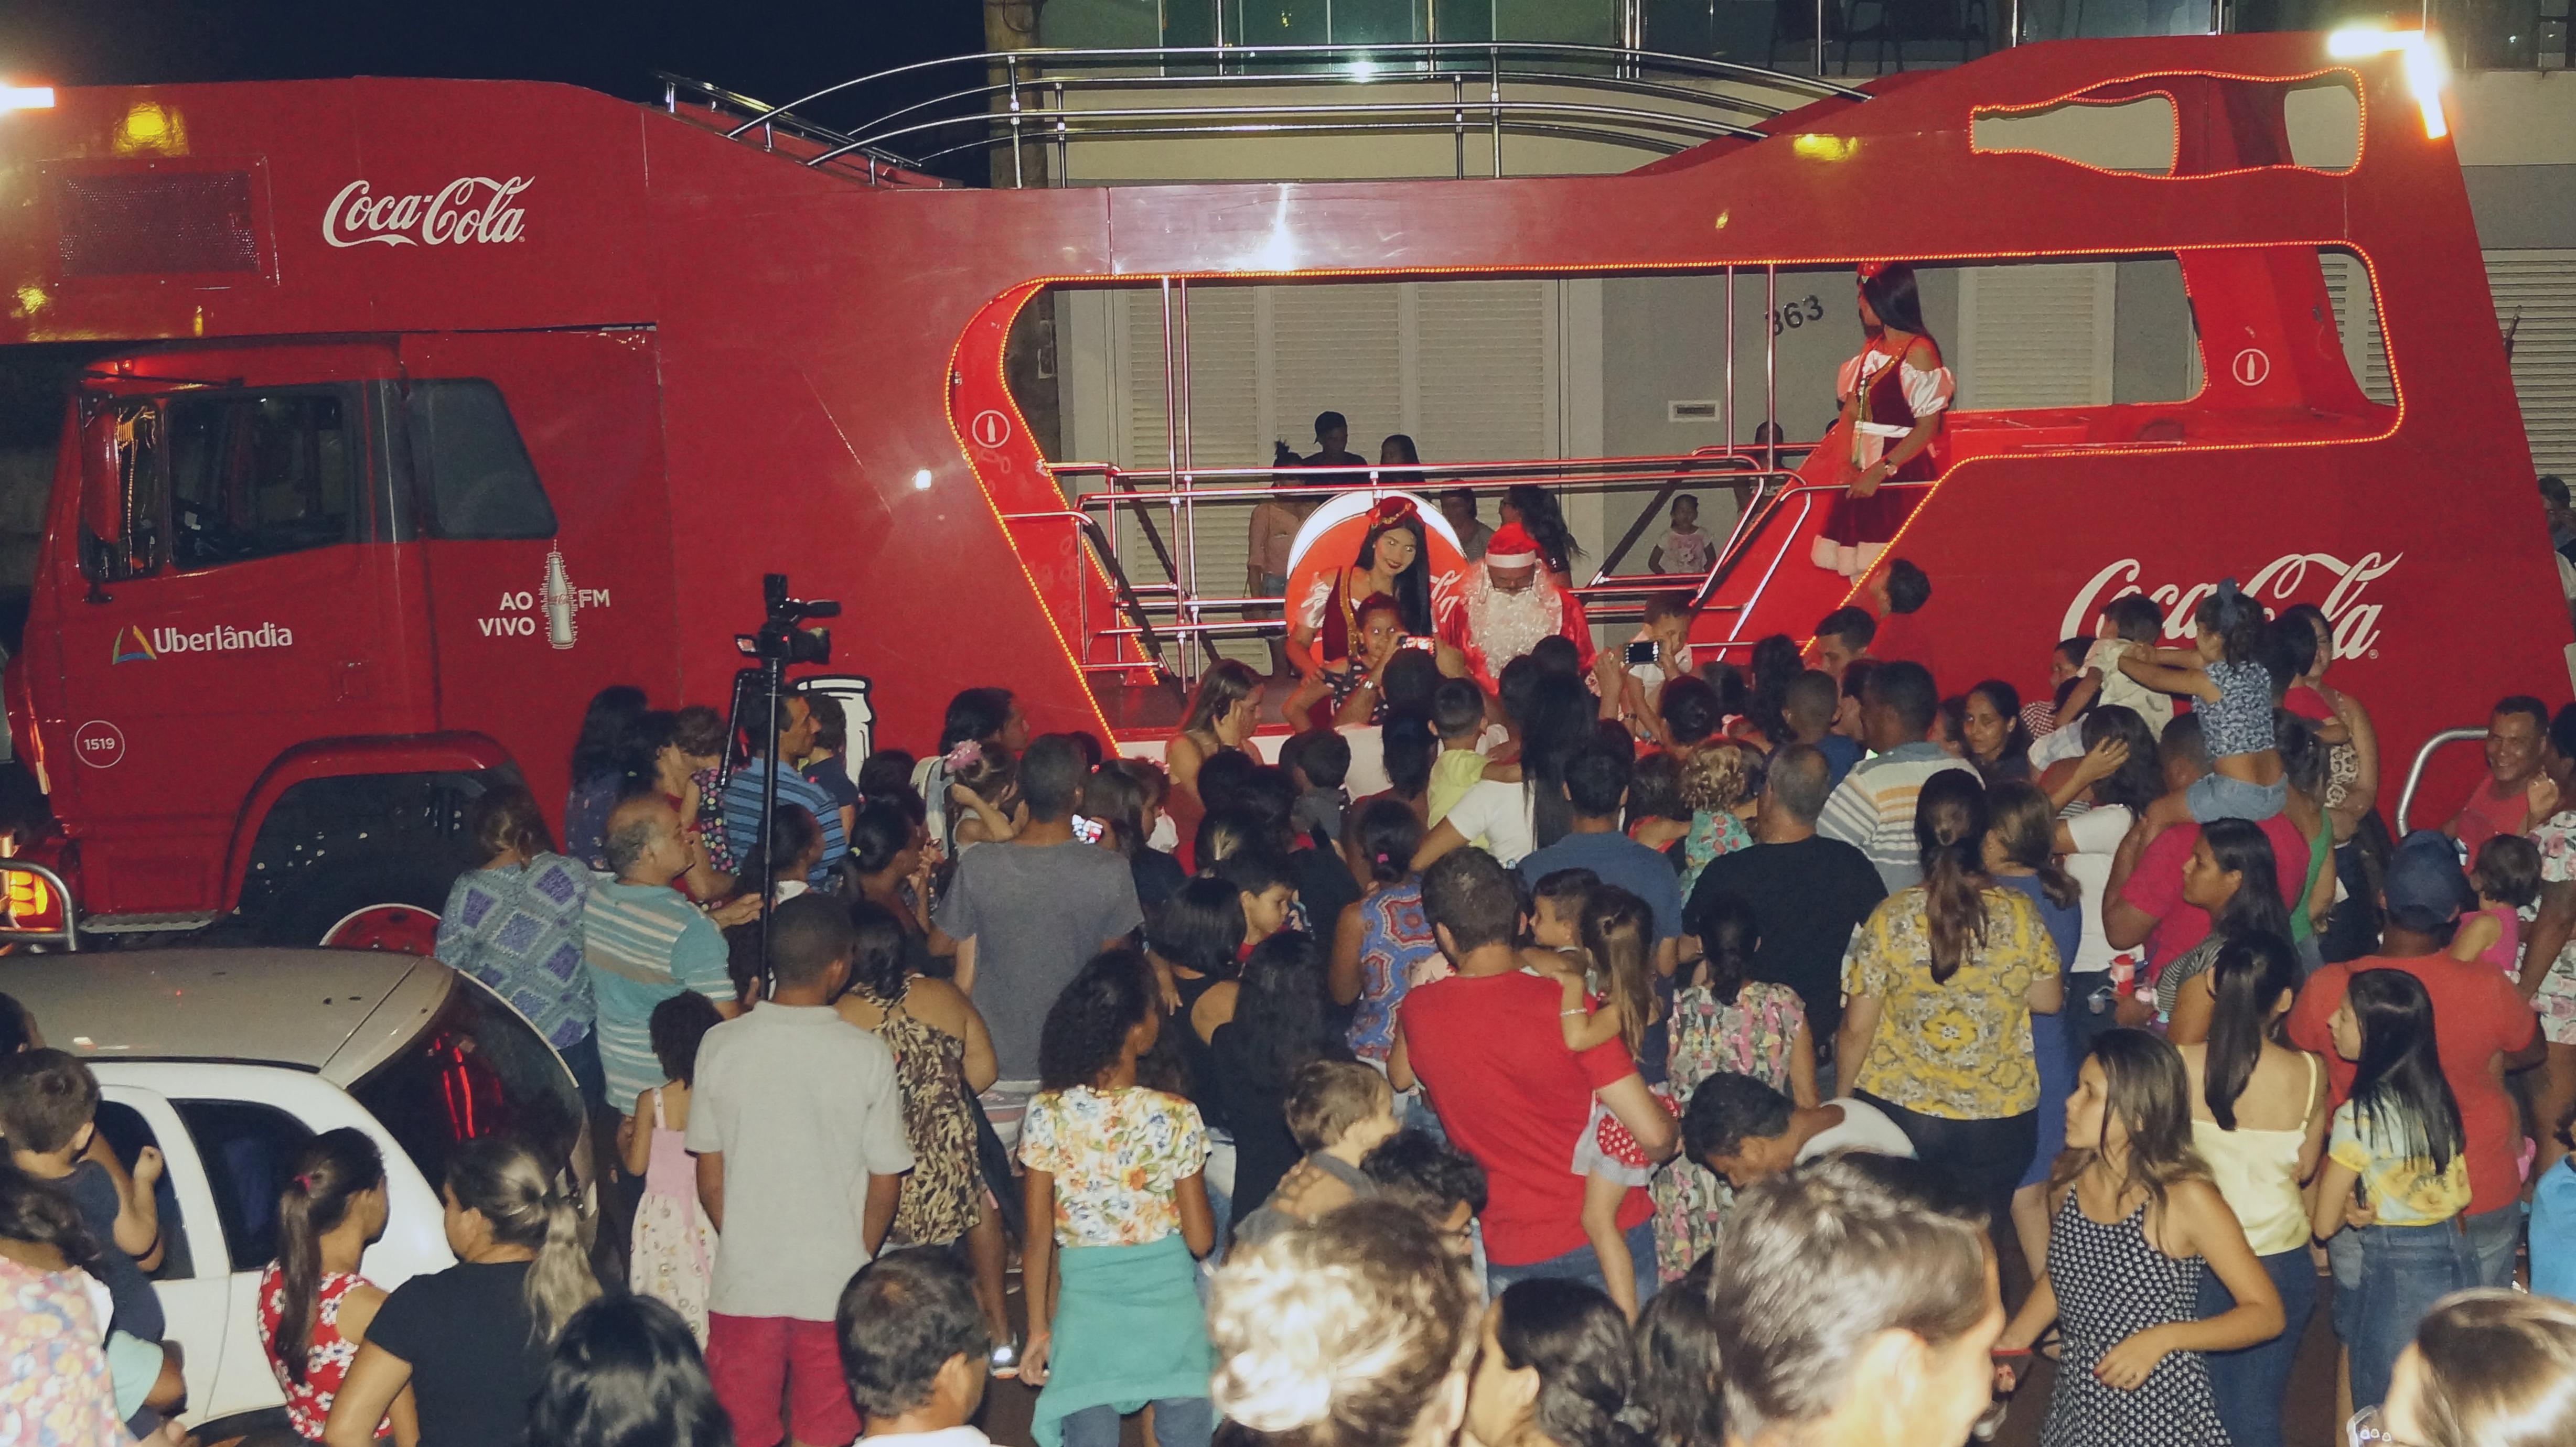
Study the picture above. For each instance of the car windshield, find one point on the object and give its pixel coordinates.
(478, 1069)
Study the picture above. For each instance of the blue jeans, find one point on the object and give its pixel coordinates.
(2403, 1271)
(1178, 1422)
(2493, 1238)
(1580, 1264)
(2249, 1381)
(2215, 796)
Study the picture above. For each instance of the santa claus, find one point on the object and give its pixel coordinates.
(1499, 608)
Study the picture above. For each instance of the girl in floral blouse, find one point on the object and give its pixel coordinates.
(314, 1307)
(1114, 1318)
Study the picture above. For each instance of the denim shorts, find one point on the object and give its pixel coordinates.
(2215, 796)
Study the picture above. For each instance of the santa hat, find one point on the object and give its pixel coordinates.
(1510, 547)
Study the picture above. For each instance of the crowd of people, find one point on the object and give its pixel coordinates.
(1565, 1050)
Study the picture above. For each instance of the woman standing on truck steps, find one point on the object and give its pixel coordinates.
(1894, 396)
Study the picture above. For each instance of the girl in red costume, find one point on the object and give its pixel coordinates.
(1324, 630)
(1894, 395)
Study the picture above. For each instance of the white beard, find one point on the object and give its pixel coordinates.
(1505, 626)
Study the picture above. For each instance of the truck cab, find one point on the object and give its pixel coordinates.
(290, 600)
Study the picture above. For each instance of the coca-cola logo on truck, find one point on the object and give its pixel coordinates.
(2334, 585)
(467, 209)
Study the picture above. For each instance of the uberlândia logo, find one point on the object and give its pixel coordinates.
(133, 645)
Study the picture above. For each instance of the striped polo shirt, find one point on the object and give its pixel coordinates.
(643, 944)
(1873, 809)
(742, 812)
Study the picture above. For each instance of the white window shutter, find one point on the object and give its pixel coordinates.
(2535, 294)
(2034, 335)
(1485, 387)
(2357, 323)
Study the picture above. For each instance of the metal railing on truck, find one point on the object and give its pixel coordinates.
(1668, 103)
(1776, 510)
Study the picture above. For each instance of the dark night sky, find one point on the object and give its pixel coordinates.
(771, 49)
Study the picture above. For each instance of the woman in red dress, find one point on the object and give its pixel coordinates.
(1324, 633)
(1894, 395)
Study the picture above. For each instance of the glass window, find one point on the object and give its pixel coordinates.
(1376, 22)
(254, 475)
(466, 453)
(249, 1152)
(127, 1134)
(478, 1069)
(120, 499)
(1565, 22)
(1102, 25)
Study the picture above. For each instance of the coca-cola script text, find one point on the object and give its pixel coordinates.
(469, 208)
(2277, 585)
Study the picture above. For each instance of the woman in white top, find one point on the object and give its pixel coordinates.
(2258, 1117)
(2116, 779)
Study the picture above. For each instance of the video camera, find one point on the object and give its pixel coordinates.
(782, 637)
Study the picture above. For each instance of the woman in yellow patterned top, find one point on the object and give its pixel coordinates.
(1939, 986)
(2396, 1172)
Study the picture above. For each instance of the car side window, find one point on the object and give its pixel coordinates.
(127, 1133)
(465, 447)
(249, 1153)
(258, 474)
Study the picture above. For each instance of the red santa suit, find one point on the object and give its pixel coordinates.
(1492, 627)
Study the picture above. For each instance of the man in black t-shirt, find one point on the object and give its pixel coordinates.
(1807, 892)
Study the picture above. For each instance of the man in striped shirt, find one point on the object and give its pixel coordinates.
(1873, 809)
(643, 942)
(743, 790)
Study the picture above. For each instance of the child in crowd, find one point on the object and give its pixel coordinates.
(1683, 548)
(1458, 715)
(1319, 760)
(1268, 890)
(2231, 692)
(2065, 671)
(2397, 1171)
(1115, 1170)
(1616, 968)
(1417, 1169)
(673, 1259)
(1719, 785)
(983, 796)
(48, 1112)
(2507, 877)
(314, 1307)
(2129, 629)
(1339, 1111)
(1556, 911)
(2137, 1221)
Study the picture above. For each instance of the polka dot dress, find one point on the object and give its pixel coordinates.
(2112, 1283)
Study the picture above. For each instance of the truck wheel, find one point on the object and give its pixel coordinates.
(376, 903)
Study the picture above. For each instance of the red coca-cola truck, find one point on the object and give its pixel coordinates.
(432, 407)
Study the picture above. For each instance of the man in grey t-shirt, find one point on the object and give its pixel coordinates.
(1024, 915)
(798, 1127)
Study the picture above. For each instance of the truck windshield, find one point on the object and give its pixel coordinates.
(476, 1069)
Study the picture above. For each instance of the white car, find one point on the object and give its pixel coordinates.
(229, 1060)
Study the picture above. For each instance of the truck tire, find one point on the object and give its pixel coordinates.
(334, 892)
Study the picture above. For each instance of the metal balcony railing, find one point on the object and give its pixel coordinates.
(1607, 95)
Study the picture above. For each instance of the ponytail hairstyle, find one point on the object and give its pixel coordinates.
(330, 1172)
(529, 1202)
(1383, 844)
(2245, 851)
(2397, 1087)
(2236, 619)
(2024, 827)
(1579, 1344)
(1618, 932)
(507, 818)
(1411, 748)
(1728, 932)
(1950, 830)
(1545, 523)
(1557, 724)
(2252, 973)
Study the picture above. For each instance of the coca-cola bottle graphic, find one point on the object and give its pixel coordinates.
(558, 600)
